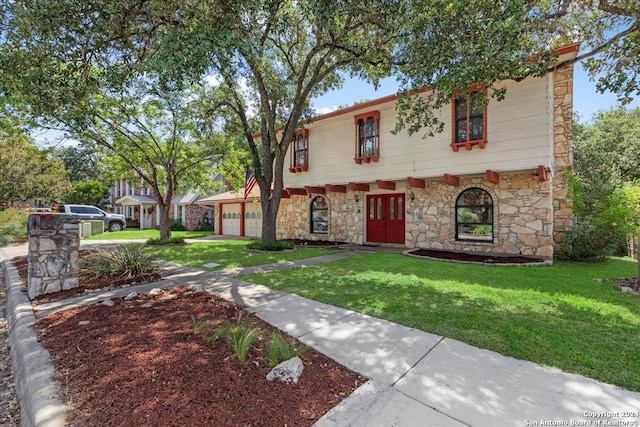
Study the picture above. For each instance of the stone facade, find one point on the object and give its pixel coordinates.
(563, 152)
(53, 253)
(522, 209)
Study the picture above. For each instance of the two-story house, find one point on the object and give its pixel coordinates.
(136, 202)
(494, 181)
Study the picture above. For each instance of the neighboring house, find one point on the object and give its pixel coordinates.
(137, 201)
(234, 215)
(494, 181)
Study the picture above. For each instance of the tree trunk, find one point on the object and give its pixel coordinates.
(165, 230)
(269, 215)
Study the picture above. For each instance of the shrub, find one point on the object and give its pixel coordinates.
(123, 261)
(176, 225)
(584, 242)
(171, 241)
(279, 245)
(239, 336)
(279, 349)
(13, 226)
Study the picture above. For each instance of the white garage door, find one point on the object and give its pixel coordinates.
(253, 220)
(231, 220)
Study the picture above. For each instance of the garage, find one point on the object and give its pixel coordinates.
(253, 220)
(231, 219)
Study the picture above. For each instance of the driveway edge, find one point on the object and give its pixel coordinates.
(36, 388)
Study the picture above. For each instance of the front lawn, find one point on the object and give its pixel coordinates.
(131, 234)
(558, 316)
(229, 254)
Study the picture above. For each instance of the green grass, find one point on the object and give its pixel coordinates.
(557, 316)
(229, 254)
(129, 234)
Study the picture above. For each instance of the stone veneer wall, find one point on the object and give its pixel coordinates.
(346, 219)
(53, 253)
(523, 216)
(522, 209)
(563, 152)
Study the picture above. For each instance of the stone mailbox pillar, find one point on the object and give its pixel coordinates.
(53, 253)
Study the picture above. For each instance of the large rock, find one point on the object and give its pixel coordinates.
(288, 371)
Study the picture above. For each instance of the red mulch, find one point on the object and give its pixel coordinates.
(474, 257)
(138, 363)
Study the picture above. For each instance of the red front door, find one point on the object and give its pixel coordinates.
(385, 218)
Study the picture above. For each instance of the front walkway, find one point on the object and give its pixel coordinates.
(416, 378)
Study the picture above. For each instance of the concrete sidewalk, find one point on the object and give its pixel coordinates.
(416, 378)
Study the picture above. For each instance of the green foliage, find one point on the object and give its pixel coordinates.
(175, 240)
(279, 349)
(123, 261)
(88, 193)
(240, 336)
(176, 225)
(199, 325)
(13, 226)
(27, 172)
(584, 242)
(276, 246)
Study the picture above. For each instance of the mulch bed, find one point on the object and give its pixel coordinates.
(139, 363)
(86, 282)
(474, 257)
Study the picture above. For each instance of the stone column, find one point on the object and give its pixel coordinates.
(563, 152)
(53, 253)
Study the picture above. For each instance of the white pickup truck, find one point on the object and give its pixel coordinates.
(112, 221)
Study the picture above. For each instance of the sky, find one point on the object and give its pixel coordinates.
(587, 101)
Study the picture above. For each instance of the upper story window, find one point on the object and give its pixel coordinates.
(367, 137)
(319, 215)
(469, 122)
(474, 215)
(300, 152)
(118, 188)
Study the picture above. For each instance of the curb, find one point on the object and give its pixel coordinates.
(33, 370)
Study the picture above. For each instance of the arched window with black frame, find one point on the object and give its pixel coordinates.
(474, 215)
(319, 215)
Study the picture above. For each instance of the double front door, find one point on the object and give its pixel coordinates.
(385, 218)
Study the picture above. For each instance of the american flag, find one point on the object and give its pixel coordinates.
(249, 183)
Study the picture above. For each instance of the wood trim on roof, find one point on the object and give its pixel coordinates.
(296, 191)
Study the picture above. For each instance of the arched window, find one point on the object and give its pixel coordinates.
(474, 215)
(319, 215)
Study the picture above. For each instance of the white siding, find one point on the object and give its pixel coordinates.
(519, 138)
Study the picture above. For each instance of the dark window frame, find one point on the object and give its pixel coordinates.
(297, 164)
(367, 137)
(471, 219)
(319, 224)
(466, 120)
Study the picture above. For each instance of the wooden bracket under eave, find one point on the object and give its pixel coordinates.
(541, 173)
(416, 183)
(451, 179)
(492, 176)
(358, 187)
(296, 191)
(314, 190)
(385, 185)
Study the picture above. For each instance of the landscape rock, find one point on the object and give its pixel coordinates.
(288, 371)
(132, 295)
(627, 290)
(155, 291)
(108, 302)
(195, 288)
